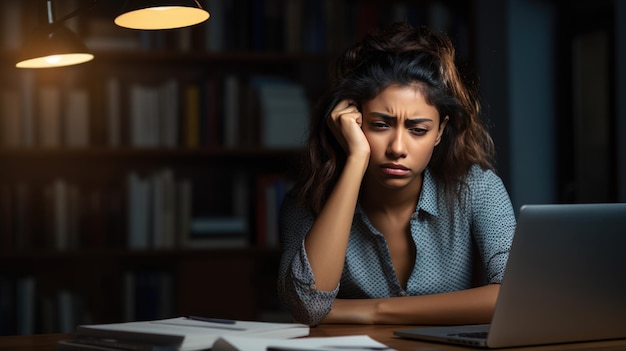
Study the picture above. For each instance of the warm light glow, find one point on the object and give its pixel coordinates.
(164, 17)
(55, 60)
(52, 60)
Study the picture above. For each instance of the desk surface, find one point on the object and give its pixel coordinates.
(382, 333)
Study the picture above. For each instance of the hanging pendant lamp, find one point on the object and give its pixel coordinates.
(52, 44)
(161, 14)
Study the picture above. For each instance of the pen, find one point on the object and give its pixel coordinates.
(211, 320)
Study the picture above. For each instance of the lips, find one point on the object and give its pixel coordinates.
(394, 169)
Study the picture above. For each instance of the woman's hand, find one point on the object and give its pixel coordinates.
(470, 306)
(352, 311)
(345, 123)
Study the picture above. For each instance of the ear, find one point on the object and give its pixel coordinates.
(442, 126)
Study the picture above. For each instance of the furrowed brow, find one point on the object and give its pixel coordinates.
(385, 117)
(411, 121)
(414, 121)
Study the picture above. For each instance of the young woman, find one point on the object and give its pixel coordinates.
(399, 208)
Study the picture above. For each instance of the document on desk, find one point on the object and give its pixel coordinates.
(180, 334)
(331, 343)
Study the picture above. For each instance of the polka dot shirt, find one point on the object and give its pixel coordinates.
(449, 246)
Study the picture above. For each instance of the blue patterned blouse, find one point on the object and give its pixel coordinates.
(446, 245)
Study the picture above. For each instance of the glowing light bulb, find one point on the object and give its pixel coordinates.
(53, 59)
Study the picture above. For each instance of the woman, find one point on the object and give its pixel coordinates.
(399, 202)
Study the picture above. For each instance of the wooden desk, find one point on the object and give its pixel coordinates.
(40, 342)
(382, 333)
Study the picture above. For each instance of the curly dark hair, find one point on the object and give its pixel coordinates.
(402, 55)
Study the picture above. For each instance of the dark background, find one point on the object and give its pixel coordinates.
(550, 74)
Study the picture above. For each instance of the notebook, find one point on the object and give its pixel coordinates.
(564, 281)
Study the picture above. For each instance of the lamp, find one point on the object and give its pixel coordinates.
(52, 44)
(161, 14)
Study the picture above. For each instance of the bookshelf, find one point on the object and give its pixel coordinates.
(145, 184)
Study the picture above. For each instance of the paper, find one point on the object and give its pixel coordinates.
(335, 343)
(195, 334)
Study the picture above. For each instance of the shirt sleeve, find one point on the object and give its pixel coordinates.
(296, 284)
(493, 222)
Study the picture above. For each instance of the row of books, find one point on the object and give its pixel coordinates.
(152, 211)
(17, 301)
(26, 307)
(25, 310)
(73, 216)
(148, 294)
(162, 213)
(54, 120)
(225, 111)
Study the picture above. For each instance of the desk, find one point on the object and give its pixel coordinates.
(382, 333)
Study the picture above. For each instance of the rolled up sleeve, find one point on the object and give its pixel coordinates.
(493, 223)
(296, 283)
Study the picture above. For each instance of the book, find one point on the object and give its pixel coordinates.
(76, 119)
(293, 28)
(49, 117)
(148, 294)
(210, 227)
(231, 111)
(63, 207)
(11, 25)
(26, 295)
(138, 199)
(284, 112)
(181, 333)
(27, 110)
(168, 113)
(163, 228)
(191, 116)
(113, 112)
(214, 29)
(216, 232)
(271, 190)
(8, 308)
(10, 119)
(143, 116)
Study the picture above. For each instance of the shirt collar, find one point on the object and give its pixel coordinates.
(428, 200)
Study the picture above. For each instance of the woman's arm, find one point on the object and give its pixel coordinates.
(471, 306)
(327, 240)
(314, 248)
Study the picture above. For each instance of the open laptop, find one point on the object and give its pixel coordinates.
(565, 281)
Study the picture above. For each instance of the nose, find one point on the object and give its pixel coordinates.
(397, 146)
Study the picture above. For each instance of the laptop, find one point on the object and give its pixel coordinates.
(565, 281)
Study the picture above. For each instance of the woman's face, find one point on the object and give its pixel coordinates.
(402, 131)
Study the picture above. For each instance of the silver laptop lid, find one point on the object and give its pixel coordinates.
(573, 287)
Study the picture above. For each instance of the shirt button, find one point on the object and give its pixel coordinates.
(402, 293)
(312, 287)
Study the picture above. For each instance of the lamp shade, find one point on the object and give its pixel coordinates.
(161, 14)
(52, 45)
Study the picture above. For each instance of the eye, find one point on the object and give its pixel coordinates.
(418, 131)
(379, 125)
